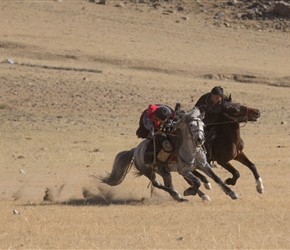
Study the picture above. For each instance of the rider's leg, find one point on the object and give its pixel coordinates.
(165, 151)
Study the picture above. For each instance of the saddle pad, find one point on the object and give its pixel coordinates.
(149, 154)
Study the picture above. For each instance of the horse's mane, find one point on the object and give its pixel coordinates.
(188, 115)
(193, 113)
(228, 98)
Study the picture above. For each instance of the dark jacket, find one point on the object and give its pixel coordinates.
(205, 104)
(147, 122)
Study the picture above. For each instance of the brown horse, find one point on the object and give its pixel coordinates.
(227, 143)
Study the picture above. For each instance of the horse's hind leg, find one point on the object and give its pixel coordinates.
(193, 191)
(242, 158)
(150, 174)
(167, 179)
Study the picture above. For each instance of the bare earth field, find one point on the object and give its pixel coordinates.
(82, 73)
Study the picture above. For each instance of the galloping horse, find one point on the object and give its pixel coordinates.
(227, 143)
(188, 135)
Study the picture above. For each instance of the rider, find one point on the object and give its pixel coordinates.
(210, 103)
(153, 122)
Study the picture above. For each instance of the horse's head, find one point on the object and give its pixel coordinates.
(191, 126)
(238, 112)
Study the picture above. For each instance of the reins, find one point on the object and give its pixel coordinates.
(219, 123)
(239, 120)
(154, 146)
(236, 119)
(191, 132)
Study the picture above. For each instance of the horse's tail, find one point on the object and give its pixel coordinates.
(122, 165)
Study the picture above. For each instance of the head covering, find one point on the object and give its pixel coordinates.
(162, 113)
(217, 90)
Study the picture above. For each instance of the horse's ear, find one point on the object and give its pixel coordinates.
(202, 115)
(177, 107)
(230, 98)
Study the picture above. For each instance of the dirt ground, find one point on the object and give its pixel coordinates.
(75, 77)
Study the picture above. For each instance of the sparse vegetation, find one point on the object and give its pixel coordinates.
(3, 106)
(67, 126)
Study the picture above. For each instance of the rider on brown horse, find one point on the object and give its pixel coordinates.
(210, 103)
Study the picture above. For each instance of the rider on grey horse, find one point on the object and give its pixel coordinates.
(154, 122)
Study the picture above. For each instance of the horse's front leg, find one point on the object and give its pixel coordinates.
(235, 173)
(203, 179)
(206, 184)
(206, 168)
(242, 158)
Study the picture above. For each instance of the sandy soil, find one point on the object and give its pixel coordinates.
(82, 73)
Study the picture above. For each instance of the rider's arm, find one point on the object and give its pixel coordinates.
(149, 125)
(203, 102)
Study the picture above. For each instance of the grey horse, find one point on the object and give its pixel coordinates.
(188, 135)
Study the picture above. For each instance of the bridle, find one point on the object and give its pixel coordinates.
(244, 118)
(199, 124)
(198, 121)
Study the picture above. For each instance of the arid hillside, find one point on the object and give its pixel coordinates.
(75, 77)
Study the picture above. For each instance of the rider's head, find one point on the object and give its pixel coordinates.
(217, 93)
(162, 113)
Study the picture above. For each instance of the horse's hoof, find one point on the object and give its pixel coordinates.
(207, 186)
(233, 195)
(260, 190)
(183, 200)
(205, 198)
(178, 197)
(260, 187)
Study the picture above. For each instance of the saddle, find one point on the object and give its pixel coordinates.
(163, 152)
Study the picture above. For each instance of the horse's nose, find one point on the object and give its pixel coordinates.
(257, 114)
(199, 141)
